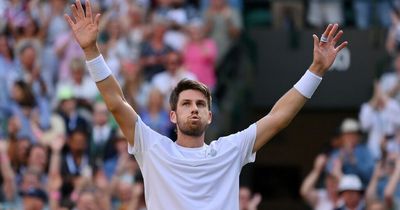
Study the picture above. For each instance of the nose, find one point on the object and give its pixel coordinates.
(195, 109)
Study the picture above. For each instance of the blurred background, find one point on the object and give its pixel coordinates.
(61, 149)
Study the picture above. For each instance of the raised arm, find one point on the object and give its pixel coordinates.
(289, 105)
(308, 190)
(85, 31)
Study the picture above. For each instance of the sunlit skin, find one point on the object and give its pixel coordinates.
(192, 116)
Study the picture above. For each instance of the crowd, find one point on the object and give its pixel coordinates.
(59, 146)
(61, 149)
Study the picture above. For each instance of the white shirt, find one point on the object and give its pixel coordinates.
(204, 178)
(379, 123)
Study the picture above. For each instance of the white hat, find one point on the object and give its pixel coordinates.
(350, 125)
(350, 182)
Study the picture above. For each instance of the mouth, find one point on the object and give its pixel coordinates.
(194, 118)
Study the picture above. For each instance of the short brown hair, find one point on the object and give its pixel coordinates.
(187, 84)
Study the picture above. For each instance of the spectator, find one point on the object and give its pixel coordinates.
(69, 112)
(154, 50)
(379, 118)
(76, 159)
(390, 82)
(155, 114)
(224, 25)
(247, 201)
(353, 157)
(175, 72)
(102, 135)
(351, 191)
(200, 55)
(323, 198)
(79, 83)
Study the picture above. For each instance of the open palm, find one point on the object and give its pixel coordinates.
(326, 52)
(85, 29)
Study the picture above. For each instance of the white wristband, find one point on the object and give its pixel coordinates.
(98, 68)
(308, 84)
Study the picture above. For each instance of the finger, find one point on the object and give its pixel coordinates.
(341, 46)
(74, 11)
(69, 20)
(316, 40)
(337, 37)
(333, 31)
(327, 30)
(97, 19)
(88, 10)
(80, 8)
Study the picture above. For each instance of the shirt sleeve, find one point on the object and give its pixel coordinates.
(244, 140)
(145, 137)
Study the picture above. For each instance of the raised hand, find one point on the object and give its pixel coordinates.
(320, 162)
(325, 50)
(85, 29)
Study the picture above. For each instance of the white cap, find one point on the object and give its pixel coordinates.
(350, 182)
(350, 125)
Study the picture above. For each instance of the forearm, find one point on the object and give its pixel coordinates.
(308, 184)
(8, 176)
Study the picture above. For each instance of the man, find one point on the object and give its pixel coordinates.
(351, 191)
(188, 174)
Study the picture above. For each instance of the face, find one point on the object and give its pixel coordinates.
(192, 115)
(350, 139)
(78, 142)
(38, 157)
(100, 115)
(173, 62)
(351, 198)
(331, 184)
(28, 57)
(31, 203)
(244, 197)
(87, 201)
(196, 33)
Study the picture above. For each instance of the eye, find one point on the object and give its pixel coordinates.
(201, 104)
(186, 103)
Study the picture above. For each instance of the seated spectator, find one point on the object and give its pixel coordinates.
(322, 198)
(352, 157)
(379, 118)
(351, 191)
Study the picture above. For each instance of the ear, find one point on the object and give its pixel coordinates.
(172, 117)
(209, 117)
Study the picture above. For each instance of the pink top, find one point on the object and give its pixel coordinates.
(200, 59)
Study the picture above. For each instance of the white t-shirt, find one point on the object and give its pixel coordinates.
(204, 178)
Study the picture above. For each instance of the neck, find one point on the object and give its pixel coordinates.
(190, 141)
